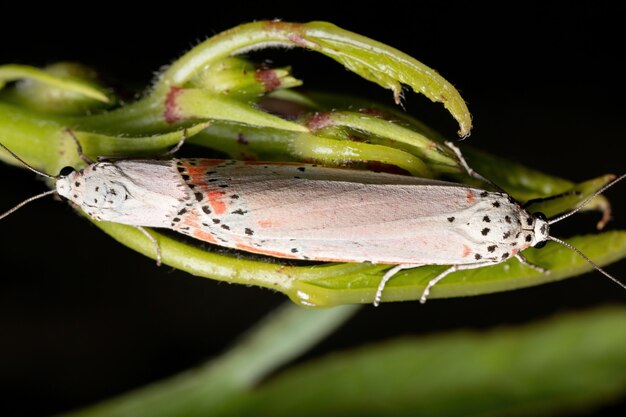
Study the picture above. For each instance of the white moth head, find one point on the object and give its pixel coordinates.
(66, 178)
(541, 231)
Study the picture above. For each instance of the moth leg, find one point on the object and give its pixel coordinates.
(176, 147)
(79, 148)
(447, 272)
(154, 241)
(469, 170)
(388, 275)
(537, 268)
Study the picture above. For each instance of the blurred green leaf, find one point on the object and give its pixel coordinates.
(55, 78)
(559, 367)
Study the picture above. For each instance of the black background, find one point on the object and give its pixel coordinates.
(84, 318)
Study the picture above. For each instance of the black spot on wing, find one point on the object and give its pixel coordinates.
(451, 219)
(485, 231)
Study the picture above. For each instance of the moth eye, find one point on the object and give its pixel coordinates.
(540, 216)
(540, 245)
(66, 171)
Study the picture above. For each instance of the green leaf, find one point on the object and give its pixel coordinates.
(370, 59)
(557, 367)
(197, 103)
(339, 153)
(15, 72)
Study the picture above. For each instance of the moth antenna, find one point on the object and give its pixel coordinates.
(36, 171)
(28, 200)
(582, 255)
(587, 200)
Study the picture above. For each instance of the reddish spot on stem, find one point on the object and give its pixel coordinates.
(293, 32)
(319, 121)
(241, 139)
(171, 113)
(470, 197)
(267, 77)
(299, 40)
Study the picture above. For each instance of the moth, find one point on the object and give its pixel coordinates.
(311, 212)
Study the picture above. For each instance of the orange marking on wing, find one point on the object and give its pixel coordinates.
(191, 220)
(205, 236)
(266, 223)
(470, 197)
(466, 251)
(262, 251)
(195, 171)
(215, 200)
